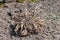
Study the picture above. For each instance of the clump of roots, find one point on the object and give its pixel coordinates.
(27, 23)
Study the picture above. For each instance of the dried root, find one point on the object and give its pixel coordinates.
(27, 23)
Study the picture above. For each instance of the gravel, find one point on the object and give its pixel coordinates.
(49, 10)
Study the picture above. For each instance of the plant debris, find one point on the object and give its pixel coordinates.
(27, 23)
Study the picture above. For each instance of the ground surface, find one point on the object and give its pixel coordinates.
(49, 11)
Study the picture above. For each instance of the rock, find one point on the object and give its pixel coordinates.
(1, 0)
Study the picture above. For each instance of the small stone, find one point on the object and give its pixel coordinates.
(9, 13)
